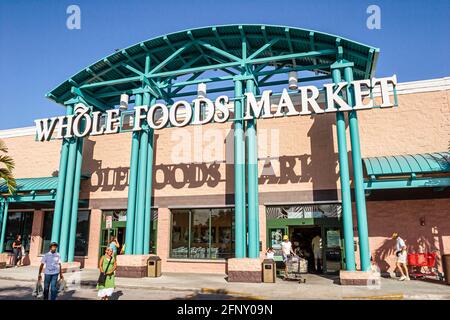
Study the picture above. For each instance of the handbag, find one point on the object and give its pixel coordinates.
(38, 291)
(102, 277)
(61, 285)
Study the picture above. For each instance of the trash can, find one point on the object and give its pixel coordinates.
(154, 267)
(269, 270)
(446, 267)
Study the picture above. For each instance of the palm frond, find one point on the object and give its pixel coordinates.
(7, 177)
(7, 161)
(3, 147)
(6, 167)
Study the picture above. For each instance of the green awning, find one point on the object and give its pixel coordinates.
(408, 171)
(399, 165)
(32, 184)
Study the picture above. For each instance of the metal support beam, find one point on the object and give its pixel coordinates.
(148, 187)
(67, 206)
(252, 169)
(430, 182)
(132, 188)
(4, 208)
(358, 178)
(57, 215)
(141, 190)
(173, 73)
(239, 174)
(75, 198)
(347, 219)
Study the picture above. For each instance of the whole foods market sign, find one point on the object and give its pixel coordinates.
(203, 110)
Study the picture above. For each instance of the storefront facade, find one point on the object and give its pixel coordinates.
(176, 192)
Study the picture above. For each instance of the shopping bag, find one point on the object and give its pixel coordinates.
(38, 291)
(61, 285)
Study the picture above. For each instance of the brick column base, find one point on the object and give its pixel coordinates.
(359, 278)
(132, 265)
(244, 270)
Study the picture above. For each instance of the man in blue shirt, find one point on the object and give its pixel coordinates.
(52, 262)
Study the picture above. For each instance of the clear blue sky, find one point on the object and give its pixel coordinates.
(37, 51)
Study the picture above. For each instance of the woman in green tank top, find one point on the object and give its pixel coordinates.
(108, 265)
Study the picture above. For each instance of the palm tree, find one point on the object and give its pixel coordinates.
(6, 168)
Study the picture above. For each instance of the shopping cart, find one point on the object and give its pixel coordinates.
(423, 265)
(295, 268)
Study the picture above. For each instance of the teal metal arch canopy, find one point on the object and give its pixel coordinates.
(158, 61)
(438, 162)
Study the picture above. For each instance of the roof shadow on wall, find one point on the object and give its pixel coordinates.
(102, 178)
(318, 167)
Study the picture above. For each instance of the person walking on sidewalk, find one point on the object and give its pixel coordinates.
(401, 253)
(17, 250)
(52, 262)
(107, 266)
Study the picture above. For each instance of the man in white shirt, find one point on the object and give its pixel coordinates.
(316, 245)
(52, 262)
(401, 253)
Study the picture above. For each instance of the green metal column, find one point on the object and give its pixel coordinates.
(57, 214)
(347, 218)
(67, 206)
(141, 190)
(252, 169)
(358, 181)
(239, 174)
(132, 188)
(4, 220)
(75, 198)
(148, 185)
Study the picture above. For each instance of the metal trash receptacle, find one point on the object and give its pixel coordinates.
(269, 270)
(154, 267)
(446, 267)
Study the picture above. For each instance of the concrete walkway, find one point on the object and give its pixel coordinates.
(316, 287)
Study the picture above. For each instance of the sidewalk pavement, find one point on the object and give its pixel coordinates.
(316, 286)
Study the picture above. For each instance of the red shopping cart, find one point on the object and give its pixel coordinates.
(423, 265)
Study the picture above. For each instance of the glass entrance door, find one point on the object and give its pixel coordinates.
(333, 249)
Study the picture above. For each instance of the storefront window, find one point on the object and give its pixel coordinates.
(202, 233)
(18, 223)
(222, 245)
(180, 233)
(82, 232)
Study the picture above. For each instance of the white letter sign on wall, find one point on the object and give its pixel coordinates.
(203, 110)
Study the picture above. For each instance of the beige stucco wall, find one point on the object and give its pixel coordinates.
(303, 150)
(303, 156)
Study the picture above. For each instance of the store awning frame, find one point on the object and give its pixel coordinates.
(41, 189)
(427, 170)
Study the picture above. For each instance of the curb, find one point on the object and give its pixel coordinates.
(380, 297)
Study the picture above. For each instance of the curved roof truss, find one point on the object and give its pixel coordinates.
(247, 51)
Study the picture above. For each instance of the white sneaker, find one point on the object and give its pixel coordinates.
(402, 278)
(407, 279)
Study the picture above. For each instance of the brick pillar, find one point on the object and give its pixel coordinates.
(163, 234)
(33, 257)
(91, 262)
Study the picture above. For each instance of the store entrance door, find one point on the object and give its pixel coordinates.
(118, 230)
(301, 239)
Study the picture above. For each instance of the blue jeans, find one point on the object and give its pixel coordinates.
(50, 281)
